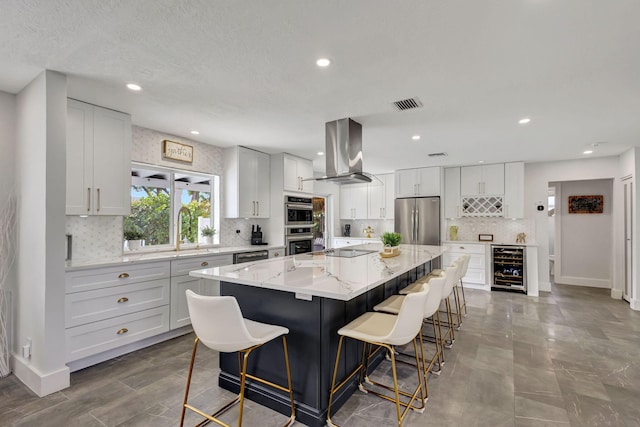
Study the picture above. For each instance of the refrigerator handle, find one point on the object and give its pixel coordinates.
(417, 227)
(413, 223)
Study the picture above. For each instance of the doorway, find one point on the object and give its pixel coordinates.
(319, 223)
(628, 237)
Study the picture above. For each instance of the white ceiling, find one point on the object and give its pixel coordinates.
(243, 72)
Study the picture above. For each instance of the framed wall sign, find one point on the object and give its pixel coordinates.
(177, 151)
(586, 204)
(485, 237)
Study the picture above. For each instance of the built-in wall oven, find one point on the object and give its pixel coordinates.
(298, 211)
(298, 240)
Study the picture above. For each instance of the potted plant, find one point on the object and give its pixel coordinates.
(207, 234)
(133, 236)
(391, 241)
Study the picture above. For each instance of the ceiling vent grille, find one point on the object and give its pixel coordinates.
(407, 104)
(438, 155)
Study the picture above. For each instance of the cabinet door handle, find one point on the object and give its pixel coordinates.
(461, 247)
(253, 211)
(88, 199)
(204, 264)
(257, 208)
(98, 209)
(123, 299)
(122, 331)
(123, 275)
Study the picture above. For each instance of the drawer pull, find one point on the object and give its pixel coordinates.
(204, 264)
(461, 247)
(123, 276)
(123, 299)
(122, 331)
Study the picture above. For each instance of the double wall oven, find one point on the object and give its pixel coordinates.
(298, 224)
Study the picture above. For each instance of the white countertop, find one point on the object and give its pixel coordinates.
(146, 256)
(476, 242)
(316, 274)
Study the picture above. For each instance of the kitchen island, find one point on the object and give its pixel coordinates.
(313, 295)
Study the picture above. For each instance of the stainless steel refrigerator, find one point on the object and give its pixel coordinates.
(418, 220)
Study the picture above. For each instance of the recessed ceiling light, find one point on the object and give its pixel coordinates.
(134, 87)
(587, 152)
(524, 121)
(415, 137)
(195, 132)
(323, 62)
(480, 161)
(320, 153)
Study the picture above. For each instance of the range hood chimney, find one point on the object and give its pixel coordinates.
(344, 153)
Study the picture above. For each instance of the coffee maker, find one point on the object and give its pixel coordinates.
(347, 230)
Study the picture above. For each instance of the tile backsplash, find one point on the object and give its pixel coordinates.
(95, 236)
(503, 230)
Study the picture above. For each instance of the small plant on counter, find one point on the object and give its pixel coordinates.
(390, 238)
(133, 234)
(207, 231)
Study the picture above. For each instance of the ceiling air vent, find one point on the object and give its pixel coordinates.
(438, 155)
(407, 104)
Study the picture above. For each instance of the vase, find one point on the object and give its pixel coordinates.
(453, 232)
(134, 245)
(207, 240)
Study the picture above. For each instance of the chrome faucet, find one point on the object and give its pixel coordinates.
(179, 225)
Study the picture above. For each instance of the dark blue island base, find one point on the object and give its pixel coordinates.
(312, 340)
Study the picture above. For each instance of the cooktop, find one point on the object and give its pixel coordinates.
(345, 252)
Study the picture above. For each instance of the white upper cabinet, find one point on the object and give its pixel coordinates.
(353, 201)
(98, 160)
(298, 174)
(452, 193)
(381, 196)
(247, 183)
(482, 180)
(514, 190)
(421, 182)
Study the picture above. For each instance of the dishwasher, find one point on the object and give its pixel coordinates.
(242, 257)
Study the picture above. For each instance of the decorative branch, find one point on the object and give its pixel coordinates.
(7, 256)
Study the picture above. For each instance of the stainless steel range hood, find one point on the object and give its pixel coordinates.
(344, 153)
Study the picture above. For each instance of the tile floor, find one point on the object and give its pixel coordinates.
(567, 358)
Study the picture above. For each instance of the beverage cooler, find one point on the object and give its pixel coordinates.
(508, 268)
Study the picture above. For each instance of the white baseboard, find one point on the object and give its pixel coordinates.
(40, 383)
(635, 304)
(477, 286)
(583, 281)
(544, 286)
(616, 293)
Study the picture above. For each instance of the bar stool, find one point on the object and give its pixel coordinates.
(386, 330)
(450, 275)
(219, 325)
(392, 306)
(463, 272)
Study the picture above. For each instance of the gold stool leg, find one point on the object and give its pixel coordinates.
(186, 392)
(333, 383)
(286, 361)
(464, 298)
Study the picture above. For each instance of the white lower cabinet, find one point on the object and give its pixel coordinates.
(340, 242)
(477, 271)
(92, 338)
(181, 281)
(108, 307)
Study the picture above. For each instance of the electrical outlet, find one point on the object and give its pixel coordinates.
(237, 231)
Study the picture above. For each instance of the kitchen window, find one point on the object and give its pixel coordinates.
(157, 196)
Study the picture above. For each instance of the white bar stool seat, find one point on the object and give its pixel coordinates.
(219, 325)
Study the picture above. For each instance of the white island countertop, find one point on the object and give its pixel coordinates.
(322, 275)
